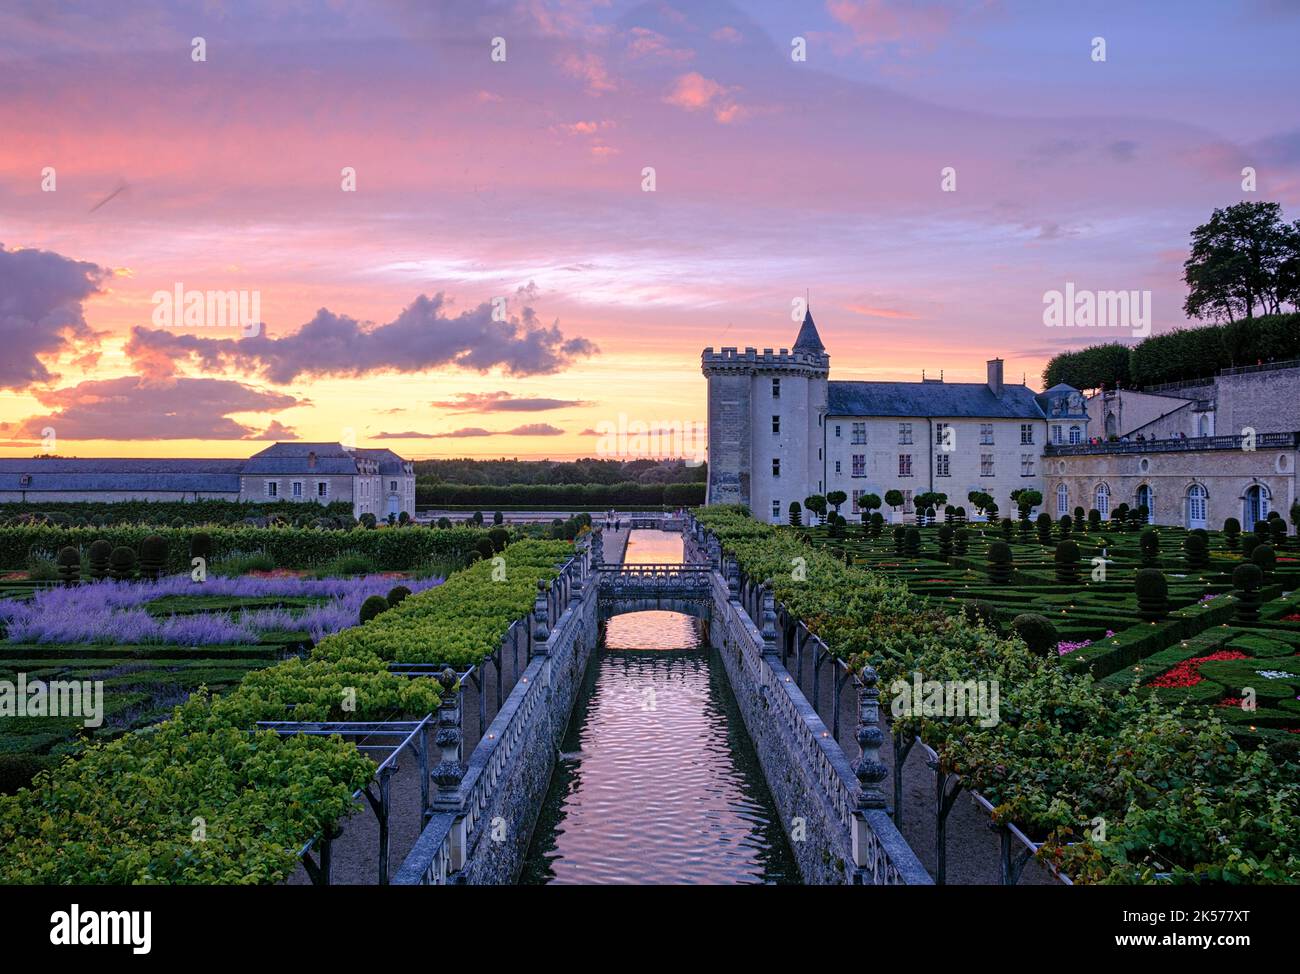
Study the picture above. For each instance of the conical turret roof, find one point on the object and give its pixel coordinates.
(809, 340)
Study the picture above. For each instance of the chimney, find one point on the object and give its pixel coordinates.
(311, 460)
(995, 376)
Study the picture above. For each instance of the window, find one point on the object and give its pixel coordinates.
(837, 466)
(322, 488)
(1062, 500)
(776, 467)
(905, 464)
(776, 424)
(1056, 433)
(859, 464)
(392, 486)
(297, 488)
(938, 433)
(1102, 500)
(776, 388)
(986, 464)
(776, 510)
(904, 432)
(837, 431)
(1026, 464)
(986, 434)
(272, 488)
(941, 464)
(1196, 506)
(857, 495)
(859, 434)
(1076, 434)
(1026, 433)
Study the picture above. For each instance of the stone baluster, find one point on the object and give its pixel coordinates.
(449, 771)
(733, 579)
(870, 770)
(575, 588)
(767, 628)
(541, 624)
(597, 549)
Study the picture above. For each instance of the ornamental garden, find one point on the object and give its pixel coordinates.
(196, 634)
(1149, 676)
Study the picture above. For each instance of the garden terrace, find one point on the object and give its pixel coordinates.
(1172, 784)
(1263, 441)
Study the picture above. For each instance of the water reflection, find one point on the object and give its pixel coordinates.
(657, 780)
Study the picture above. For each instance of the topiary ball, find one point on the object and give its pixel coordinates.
(1265, 557)
(396, 594)
(1037, 631)
(372, 606)
(1247, 577)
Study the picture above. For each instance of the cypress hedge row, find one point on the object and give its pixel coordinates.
(390, 549)
(558, 495)
(166, 512)
(1179, 355)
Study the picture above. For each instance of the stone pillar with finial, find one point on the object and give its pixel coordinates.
(767, 627)
(449, 772)
(733, 579)
(597, 549)
(870, 771)
(541, 622)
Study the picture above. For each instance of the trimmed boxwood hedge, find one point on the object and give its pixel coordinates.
(390, 549)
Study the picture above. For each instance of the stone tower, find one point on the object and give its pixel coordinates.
(766, 423)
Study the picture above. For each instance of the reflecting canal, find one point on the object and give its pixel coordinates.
(657, 781)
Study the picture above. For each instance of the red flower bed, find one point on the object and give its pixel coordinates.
(1187, 673)
(1293, 617)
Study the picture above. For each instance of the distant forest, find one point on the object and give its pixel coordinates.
(558, 483)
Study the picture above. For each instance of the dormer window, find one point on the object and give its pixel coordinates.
(25, 480)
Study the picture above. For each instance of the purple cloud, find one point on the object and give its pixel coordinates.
(41, 294)
(173, 409)
(422, 337)
(504, 402)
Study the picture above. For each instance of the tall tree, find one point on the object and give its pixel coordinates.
(1235, 262)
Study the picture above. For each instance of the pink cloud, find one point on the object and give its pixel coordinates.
(590, 69)
(694, 93)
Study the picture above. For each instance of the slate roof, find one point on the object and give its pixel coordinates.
(94, 474)
(939, 399)
(808, 340)
(389, 462)
(294, 458)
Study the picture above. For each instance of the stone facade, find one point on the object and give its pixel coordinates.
(780, 430)
(372, 481)
(1196, 483)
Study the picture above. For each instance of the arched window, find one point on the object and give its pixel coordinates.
(1205, 424)
(1196, 497)
(1102, 501)
(1076, 434)
(1145, 498)
(1256, 506)
(1062, 500)
(1112, 426)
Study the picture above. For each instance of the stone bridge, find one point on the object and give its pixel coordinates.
(639, 588)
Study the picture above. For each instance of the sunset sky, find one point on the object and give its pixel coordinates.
(480, 179)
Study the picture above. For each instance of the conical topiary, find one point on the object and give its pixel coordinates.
(153, 557)
(69, 565)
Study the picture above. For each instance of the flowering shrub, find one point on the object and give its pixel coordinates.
(1188, 672)
(115, 612)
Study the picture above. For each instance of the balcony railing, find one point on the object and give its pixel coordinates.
(1263, 441)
